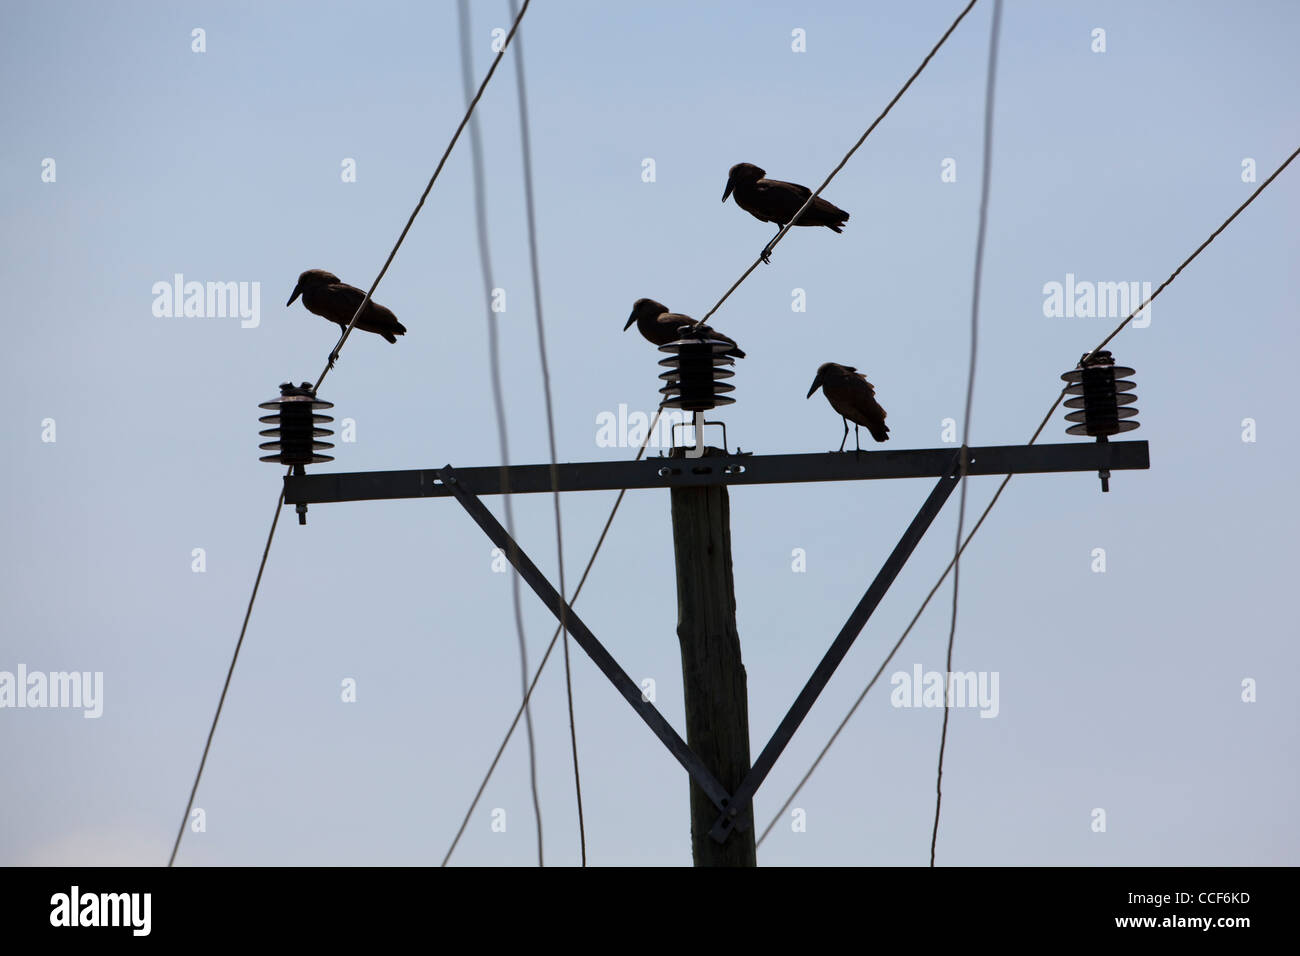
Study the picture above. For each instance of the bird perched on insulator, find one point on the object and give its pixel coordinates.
(326, 295)
(659, 326)
(771, 200)
(854, 398)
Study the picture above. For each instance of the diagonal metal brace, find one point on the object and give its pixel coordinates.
(587, 641)
(737, 817)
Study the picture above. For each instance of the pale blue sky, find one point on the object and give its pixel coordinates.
(1118, 690)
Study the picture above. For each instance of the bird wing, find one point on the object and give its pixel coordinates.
(720, 336)
(829, 209)
(871, 396)
(347, 296)
(782, 197)
(669, 323)
(870, 389)
(794, 189)
(376, 318)
(854, 397)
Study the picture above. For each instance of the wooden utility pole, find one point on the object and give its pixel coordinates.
(713, 675)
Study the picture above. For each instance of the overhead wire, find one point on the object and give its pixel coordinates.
(498, 401)
(469, 111)
(1007, 480)
(526, 148)
(989, 87)
(834, 172)
(595, 552)
(329, 365)
(225, 688)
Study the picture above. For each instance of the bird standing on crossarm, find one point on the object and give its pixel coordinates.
(854, 398)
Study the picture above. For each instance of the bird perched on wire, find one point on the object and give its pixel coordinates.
(658, 325)
(324, 294)
(853, 397)
(771, 200)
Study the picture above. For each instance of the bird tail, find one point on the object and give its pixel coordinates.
(389, 337)
(879, 432)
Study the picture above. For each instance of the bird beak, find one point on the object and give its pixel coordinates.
(815, 385)
(727, 193)
(630, 319)
(297, 290)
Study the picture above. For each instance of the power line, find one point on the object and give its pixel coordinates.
(469, 111)
(230, 672)
(847, 156)
(498, 397)
(595, 552)
(530, 207)
(989, 85)
(333, 357)
(1214, 235)
(1007, 480)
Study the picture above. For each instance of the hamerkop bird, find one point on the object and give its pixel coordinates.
(852, 396)
(658, 325)
(771, 200)
(323, 293)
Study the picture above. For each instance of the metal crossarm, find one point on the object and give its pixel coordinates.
(720, 470)
(586, 640)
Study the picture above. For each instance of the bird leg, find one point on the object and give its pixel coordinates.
(334, 355)
(846, 433)
(856, 441)
(766, 254)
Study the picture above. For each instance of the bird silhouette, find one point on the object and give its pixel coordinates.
(658, 325)
(854, 398)
(771, 200)
(324, 294)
